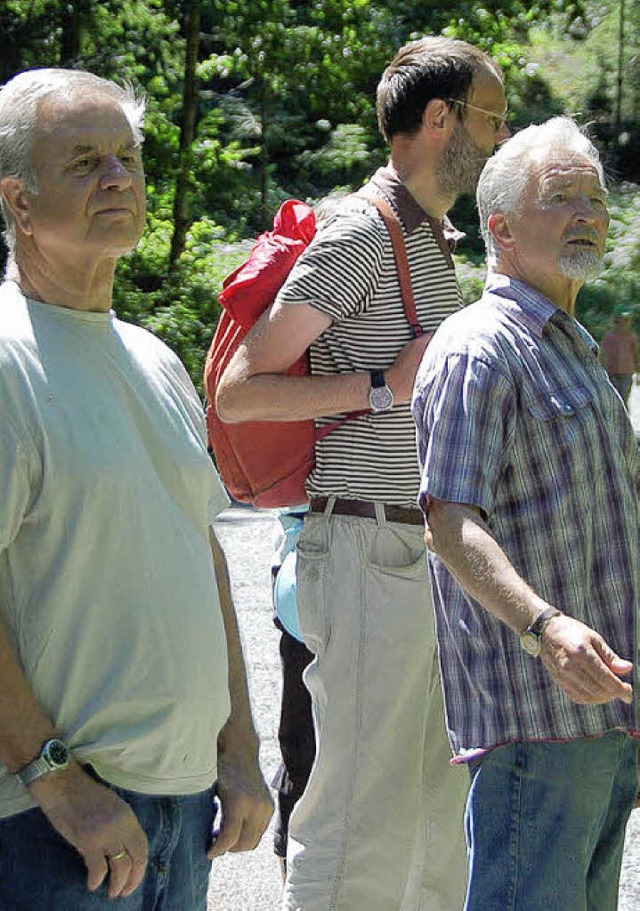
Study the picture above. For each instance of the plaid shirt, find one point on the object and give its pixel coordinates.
(516, 416)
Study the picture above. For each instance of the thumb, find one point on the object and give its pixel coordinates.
(620, 665)
(614, 662)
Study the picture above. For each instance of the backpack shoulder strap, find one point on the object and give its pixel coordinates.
(402, 263)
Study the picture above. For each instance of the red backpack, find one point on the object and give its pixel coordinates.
(266, 463)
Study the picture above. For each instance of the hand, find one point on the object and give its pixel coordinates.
(99, 825)
(246, 803)
(582, 664)
(401, 375)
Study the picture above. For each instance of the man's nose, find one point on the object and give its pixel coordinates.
(115, 175)
(585, 210)
(503, 134)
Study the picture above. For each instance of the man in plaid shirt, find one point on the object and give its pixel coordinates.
(530, 487)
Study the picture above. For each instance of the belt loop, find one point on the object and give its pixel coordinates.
(381, 517)
(331, 502)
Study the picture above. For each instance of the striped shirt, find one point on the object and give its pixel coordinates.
(349, 273)
(516, 416)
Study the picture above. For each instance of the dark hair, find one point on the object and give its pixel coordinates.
(432, 67)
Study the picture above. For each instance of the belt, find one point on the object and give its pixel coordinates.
(364, 509)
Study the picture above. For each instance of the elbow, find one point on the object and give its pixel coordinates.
(228, 408)
(436, 526)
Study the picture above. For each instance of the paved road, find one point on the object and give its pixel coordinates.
(250, 882)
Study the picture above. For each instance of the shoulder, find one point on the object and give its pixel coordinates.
(475, 330)
(355, 224)
(151, 353)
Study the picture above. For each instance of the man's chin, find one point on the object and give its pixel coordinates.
(581, 266)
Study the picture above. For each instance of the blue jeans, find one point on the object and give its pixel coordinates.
(40, 871)
(546, 824)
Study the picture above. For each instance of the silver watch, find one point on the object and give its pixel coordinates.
(380, 395)
(53, 757)
(531, 637)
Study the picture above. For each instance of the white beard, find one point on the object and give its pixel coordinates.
(581, 265)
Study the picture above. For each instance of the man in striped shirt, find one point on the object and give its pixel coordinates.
(530, 486)
(379, 825)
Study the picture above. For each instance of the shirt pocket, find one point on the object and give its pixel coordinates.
(559, 404)
(560, 435)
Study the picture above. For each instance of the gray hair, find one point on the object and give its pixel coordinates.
(506, 174)
(20, 99)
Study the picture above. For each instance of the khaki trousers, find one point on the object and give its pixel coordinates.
(380, 824)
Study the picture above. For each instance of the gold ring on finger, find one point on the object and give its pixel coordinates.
(117, 856)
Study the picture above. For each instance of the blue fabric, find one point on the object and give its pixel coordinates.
(284, 565)
(284, 596)
(516, 416)
(40, 871)
(545, 825)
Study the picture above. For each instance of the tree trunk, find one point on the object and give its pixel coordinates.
(73, 18)
(264, 154)
(181, 219)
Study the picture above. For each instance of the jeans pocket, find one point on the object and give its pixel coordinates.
(398, 552)
(311, 571)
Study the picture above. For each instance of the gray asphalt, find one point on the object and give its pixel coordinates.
(251, 882)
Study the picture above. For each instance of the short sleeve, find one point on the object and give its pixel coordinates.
(340, 270)
(464, 411)
(16, 484)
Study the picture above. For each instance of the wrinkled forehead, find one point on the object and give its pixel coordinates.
(75, 119)
(76, 108)
(563, 167)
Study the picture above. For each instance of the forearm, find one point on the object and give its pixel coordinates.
(238, 687)
(269, 397)
(466, 547)
(24, 726)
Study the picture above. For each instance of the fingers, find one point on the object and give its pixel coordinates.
(137, 854)
(586, 667)
(124, 866)
(243, 824)
(97, 870)
(101, 826)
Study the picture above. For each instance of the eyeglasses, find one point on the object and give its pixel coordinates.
(497, 120)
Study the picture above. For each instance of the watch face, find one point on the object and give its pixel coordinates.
(57, 753)
(530, 643)
(380, 398)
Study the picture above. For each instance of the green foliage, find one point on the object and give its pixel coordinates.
(182, 307)
(286, 95)
(619, 283)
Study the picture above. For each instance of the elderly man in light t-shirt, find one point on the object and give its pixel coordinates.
(123, 699)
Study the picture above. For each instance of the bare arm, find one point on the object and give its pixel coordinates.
(578, 658)
(245, 798)
(90, 816)
(253, 387)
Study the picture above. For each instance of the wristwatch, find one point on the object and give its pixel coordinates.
(380, 395)
(531, 637)
(53, 757)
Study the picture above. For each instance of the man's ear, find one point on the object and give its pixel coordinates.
(499, 226)
(434, 116)
(18, 202)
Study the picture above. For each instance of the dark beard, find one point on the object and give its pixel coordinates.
(461, 163)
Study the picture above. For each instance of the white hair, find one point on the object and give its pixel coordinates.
(506, 174)
(20, 99)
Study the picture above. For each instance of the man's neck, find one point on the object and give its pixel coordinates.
(560, 290)
(420, 180)
(79, 287)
